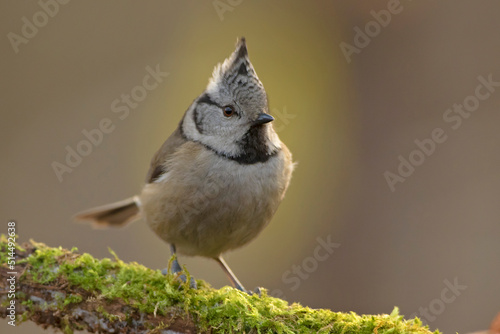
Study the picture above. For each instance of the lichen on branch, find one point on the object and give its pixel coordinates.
(68, 291)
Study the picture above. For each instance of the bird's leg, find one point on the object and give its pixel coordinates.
(176, 268)
(234, 280)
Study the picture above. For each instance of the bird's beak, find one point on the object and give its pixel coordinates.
(263, 118)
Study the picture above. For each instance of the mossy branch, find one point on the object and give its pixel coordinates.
(68, 291)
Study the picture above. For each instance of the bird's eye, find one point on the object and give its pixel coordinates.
(228, 111)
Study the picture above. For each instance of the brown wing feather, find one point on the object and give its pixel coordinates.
(156, 169)
(113, 214)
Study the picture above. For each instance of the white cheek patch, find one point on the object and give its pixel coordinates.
(221, 144)
(189, 127)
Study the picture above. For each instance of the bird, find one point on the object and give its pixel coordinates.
(219, 178)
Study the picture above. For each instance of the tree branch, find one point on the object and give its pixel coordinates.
(68, 291)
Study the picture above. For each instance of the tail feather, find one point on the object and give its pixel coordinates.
(115, 214)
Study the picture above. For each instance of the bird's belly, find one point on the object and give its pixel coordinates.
(210, 211)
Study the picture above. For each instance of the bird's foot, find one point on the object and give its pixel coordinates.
(178, 272)
(257, 291)
(179, 275)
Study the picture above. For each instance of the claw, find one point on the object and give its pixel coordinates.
(257, 291)
(176, 269)
(182, 277)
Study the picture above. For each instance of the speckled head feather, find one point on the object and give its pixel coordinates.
(237, 73)
(234, 85)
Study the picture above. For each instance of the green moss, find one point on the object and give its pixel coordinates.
(66, 326)
(72, 299)
(27, 302)
(224, 311)
(111, 317)
(4, 248)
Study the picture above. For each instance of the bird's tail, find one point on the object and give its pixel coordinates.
(115, 214)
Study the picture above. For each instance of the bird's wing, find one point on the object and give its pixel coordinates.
(157, 167)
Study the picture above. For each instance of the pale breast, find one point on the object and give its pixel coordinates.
(206, 204)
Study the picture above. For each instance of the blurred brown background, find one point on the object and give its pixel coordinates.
(345, 122)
